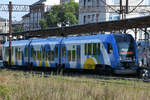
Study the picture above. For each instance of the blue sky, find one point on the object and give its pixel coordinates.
(16, 15)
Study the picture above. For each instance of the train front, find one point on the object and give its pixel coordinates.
(127, 62)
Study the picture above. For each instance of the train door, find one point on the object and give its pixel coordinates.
(78, 56)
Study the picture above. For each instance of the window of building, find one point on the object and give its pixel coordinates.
(84, 19)
(97, 16)
(84, 2)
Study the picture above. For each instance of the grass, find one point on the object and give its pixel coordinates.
(18, 86)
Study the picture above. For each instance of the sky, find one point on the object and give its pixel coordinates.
(15, 15)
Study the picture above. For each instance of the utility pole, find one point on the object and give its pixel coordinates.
(121, 10)
(10, 30)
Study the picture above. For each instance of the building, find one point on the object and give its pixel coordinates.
(31, 21)
(4, 25)
(25, 22)
(91, 11)
(66, 1)
(95, 10)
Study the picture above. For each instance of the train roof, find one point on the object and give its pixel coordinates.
(17, 43)
(101, 37)
(97, 37)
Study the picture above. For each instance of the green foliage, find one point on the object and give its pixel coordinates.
(17, 28)
(43, 24)
(4, 92)
(63, 15)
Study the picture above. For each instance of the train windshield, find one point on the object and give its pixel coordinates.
(126, 48)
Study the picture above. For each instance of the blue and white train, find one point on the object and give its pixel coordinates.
(117, 52)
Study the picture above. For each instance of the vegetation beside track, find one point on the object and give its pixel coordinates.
(15, 85)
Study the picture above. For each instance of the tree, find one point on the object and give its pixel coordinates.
(63, 15)
(17, 28)
(43, 24)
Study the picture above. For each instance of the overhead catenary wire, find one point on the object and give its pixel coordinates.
(136, 6)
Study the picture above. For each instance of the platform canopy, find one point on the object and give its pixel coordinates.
(108, 26)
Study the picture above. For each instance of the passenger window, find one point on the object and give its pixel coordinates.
(56, 52)
(69, 55)
(38, 55)
(16, 53)
(53, 56)
(89, 48)
(35, 55)
(78, 53)
(26, 52)
(94, 48)
(63, 52)
(49, 55)
(41, 55)
(99, 48)
(73, 55)
(85, 49)
(32, 52)
(110, 49)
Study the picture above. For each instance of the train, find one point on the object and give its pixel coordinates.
(115, 53)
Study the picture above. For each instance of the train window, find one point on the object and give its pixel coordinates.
(63, 52)
(69, 55)
(94, 48)
(78, 53)
(89, 48)
(38, 55)
(99, 48)
(53, 56)
(49, 55)
(46, 56)
(40, 58)
(32, 52)
(26, 52)
(16, 51)
(85, 49)
(56, 52)
(73, 55)
(110, 49)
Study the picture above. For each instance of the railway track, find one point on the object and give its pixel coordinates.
(81, 74)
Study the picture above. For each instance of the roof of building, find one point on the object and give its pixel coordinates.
(2, 19)
(39, 2)
(26, 15)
